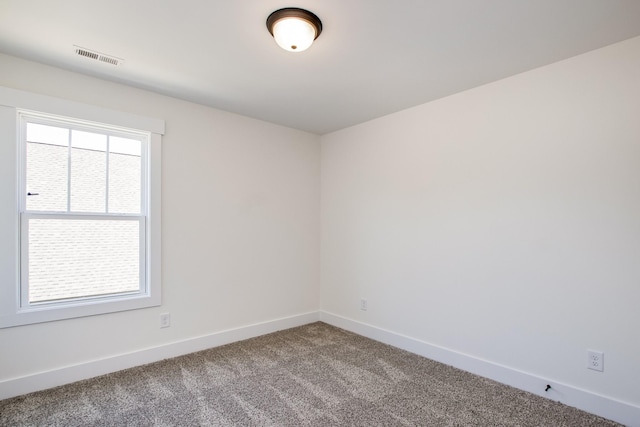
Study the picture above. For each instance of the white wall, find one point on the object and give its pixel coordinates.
(501, 223)
(240, 228)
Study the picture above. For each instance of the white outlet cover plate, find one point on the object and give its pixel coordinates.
(595, 360)
(165, 320)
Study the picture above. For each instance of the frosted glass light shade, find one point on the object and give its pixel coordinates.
(294, 29)
(294, 34)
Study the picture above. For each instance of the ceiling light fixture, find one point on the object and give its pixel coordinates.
(294, 29)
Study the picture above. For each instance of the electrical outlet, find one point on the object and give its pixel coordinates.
(595, 360)
(363, 304)
(165, 320)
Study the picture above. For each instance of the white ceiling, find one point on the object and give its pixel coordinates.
(374, 57)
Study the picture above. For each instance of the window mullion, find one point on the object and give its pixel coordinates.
(106, 178)
(69, 152)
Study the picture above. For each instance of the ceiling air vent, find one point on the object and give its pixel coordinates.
(97, 56)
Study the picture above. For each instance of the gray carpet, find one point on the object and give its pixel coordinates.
(315, 375)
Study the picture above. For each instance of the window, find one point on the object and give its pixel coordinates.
(87, 219)
(83, 212)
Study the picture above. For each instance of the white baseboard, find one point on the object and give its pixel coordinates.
(68, 374)
(615, 410)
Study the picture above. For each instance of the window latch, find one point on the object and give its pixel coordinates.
(32, 194)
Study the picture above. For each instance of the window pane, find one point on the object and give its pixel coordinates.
(74, 258)
(125, 146)
(47, 173)
(125, 172)
(88, 172)
(47, 134)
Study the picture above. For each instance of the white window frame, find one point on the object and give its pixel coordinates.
(14, 308)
